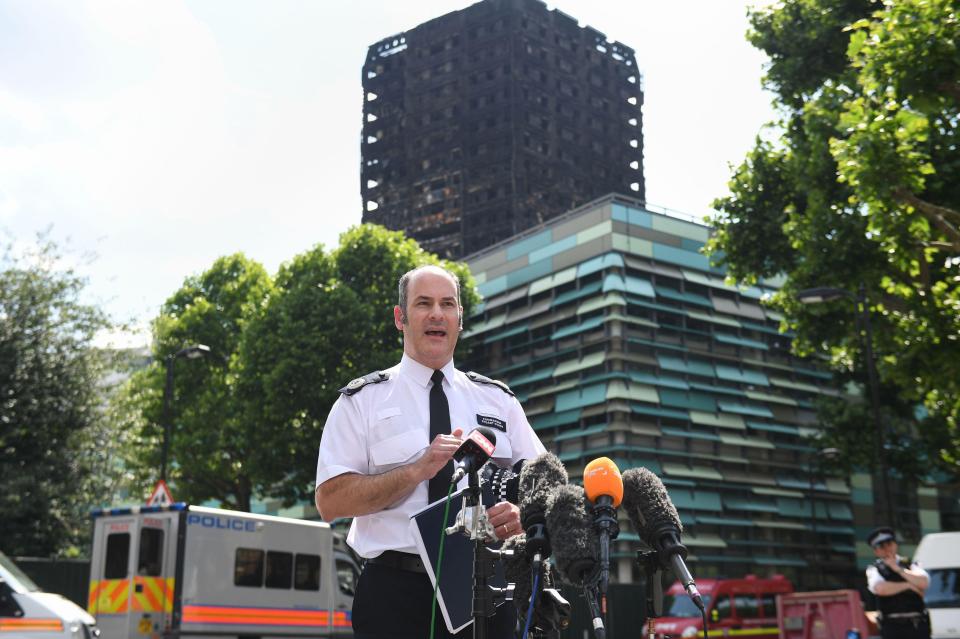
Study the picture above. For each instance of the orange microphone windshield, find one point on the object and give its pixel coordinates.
(602, 477)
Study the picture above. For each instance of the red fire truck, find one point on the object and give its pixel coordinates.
(744, 607)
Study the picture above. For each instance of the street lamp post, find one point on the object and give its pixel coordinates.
(828, 294)
(190, 352)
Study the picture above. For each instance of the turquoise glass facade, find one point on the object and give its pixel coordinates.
(621, 340)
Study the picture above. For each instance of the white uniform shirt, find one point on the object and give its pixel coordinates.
(387, 424)
(874, 577)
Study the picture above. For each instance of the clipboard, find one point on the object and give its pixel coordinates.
(455, 595)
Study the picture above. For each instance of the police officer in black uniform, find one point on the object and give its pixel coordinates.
(899, 586)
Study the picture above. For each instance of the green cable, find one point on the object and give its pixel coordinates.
(436, 586)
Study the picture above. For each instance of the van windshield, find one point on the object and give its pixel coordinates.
(17, 575)
(944, 589)
(682, 606)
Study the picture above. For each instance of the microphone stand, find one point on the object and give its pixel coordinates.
(590, 594)
(649, 563)
(671, 554)
(538, 544)
(605, 521)
(473, 522)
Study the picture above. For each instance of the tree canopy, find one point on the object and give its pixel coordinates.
(212, 438)
(859, 183)
(248, 419)
(52, 468)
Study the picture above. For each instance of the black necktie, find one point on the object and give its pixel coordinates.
(439, 425)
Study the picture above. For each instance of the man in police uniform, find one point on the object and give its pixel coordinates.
(377, 457)
(899, 586)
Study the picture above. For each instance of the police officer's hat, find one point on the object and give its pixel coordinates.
(880, 535)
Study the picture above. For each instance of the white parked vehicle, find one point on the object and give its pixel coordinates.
(184, 571)
(939, 555)
(28, 612)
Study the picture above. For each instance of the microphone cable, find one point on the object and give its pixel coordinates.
(443, 537)
(703, 613)
(533, 598)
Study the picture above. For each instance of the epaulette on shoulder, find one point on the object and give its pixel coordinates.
(482, 379)
(370, 378)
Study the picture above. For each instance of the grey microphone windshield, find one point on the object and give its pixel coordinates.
(647, 503)
(575, 544)
(649, 508)
(538, 479)
(550, 611)
(517, 571)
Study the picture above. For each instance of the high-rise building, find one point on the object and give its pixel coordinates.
(621, 340)
(490, 120)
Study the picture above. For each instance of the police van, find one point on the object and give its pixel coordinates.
(188, 571)
(26, 612)
(939, 555)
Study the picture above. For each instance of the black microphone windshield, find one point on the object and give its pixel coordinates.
(648, 505)
(516, 569)
(538, 479)
(657, 522)
(575, 544)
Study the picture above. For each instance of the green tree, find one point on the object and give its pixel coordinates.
(212, 440)
(330, 321)
(858, 183)
(51, 395)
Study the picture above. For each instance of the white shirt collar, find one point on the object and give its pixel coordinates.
(421, 374)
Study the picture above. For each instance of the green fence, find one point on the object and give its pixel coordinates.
(625, 612)
(68, 577)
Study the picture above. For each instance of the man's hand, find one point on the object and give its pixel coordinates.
(353, 494)
(918, 582)
(890, 588)
(891, 561)
(439, 452)
(505, 518)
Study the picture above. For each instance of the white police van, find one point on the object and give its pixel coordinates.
(189, 571)
(939, 555)
(26, 612)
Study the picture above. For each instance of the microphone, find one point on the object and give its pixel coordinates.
(475, 450)
(538, 479)
(575, 545)
(655, 517)
(516, 570)
(551, 612)
(604, 487)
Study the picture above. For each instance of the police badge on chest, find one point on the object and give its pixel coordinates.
(491, 422)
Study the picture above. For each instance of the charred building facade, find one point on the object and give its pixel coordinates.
(490, 120)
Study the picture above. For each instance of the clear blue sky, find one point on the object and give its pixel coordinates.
(161, 135)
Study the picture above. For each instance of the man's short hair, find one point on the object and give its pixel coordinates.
(405, 284)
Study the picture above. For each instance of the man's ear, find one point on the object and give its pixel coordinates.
(398, 317)
(460, 316)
